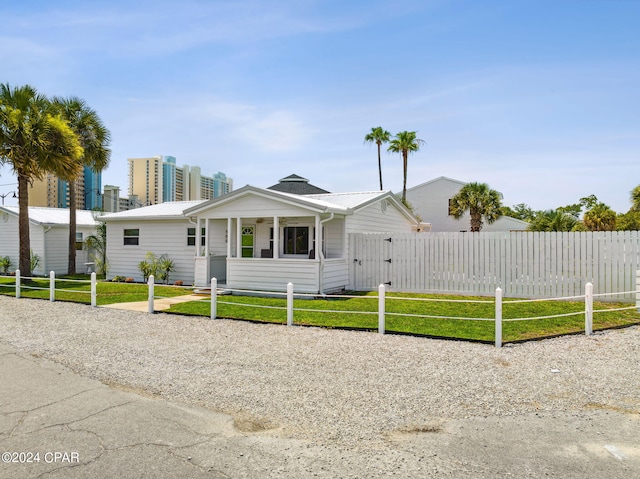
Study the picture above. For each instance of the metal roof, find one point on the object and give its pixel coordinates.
(169, 209)
(54, 216)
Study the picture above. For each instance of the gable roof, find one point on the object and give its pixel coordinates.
(41, 215)
(297, 185)
(167, 210)
(436, 180)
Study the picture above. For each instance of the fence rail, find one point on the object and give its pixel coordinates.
(382, 312)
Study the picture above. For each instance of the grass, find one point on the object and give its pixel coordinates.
(79, 292)
(351, 312)
(350, 315)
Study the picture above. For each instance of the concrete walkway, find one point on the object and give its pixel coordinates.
(159, 304)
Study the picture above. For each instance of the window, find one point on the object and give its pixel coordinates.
(296, 240)
(78, 241)
(131, 237)
(191, 237)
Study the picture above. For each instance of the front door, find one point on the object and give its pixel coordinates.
(248, 241)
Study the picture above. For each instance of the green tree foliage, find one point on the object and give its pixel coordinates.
(405, 143)
(94, 138)
(481, 201)
(97, 243)
(600, 217)
(635, 199)
(378, 135)
(520, 211)
(629, 221)
(553, 220)
(34, 140)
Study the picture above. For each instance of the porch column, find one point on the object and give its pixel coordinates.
(276, 236)
(238, 237)
(318, 246)
(198, 237)
(207, 253)
(229, 230)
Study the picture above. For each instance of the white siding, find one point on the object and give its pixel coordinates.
(9, 238)
(56, 253)
(273, 274)
(254, 207)
(335, 275)
(334, 238)
(159, 237)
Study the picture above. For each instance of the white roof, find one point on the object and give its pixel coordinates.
(55, 216)
(169, 209)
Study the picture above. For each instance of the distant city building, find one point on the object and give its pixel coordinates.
(158, 179)
(52, 192)
(113, 202)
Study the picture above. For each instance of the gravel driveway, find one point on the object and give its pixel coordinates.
(330, 387)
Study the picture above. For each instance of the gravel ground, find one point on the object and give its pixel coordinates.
(325, 385)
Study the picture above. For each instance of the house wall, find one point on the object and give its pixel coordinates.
(9, 238)
(254, 207)
(431, 202)
(160, 237)
(335, 275)
(273, 274)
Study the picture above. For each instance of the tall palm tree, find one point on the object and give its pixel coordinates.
(405, 142)
(34, 140)
(94, 138)
(600, 218)
(553, 220)
(481, 202)
(378, 135)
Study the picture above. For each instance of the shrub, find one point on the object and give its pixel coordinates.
(118, 279)
(5, 264)
(158, 266)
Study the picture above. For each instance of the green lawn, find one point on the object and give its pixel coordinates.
(349, 312)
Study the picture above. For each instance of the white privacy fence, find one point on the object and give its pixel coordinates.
(522, 264)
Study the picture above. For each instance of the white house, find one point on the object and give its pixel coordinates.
(431, 200)
(255, 238)
(48, 236)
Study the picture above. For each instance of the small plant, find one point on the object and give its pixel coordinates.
(34, 260)
(158, 266)
(118, 279)
(5, 264)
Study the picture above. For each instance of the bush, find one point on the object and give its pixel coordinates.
(5, 264)
(158, 266)
(118, 279)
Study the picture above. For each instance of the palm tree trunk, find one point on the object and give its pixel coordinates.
(405, 155)
(23, 226)
(72, 227)
(380, 166)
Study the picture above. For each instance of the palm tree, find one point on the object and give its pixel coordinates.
(34, 140)
(600, 218)
(481, 202)
(97, 243)
(94, 138)
(405, 142)
(378, 136)
(553, 220)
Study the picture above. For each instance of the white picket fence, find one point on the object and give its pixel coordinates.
(522, 264)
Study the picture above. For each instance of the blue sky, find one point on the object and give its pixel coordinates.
(539, 99)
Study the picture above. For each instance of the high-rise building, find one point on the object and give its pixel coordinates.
(158, 179)
(53, 192)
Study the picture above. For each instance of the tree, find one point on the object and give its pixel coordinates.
(34, 140)
(405, 142)
(94, 138)
(600, 218)
(481, 202)
(378, 136)
(520, 211)
(635, 199)
(553, 220)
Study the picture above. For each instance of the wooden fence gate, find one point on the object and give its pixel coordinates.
(523, 264)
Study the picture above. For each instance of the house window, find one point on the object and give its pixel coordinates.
(78, 241)
(247, 241)
(131, 236)
(191, 237)
(296, 240)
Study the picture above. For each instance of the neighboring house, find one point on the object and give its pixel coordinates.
(233, 237)
(48, 236)
(431, 200)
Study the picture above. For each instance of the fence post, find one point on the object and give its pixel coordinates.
(381, 309)
(17, 284)
(498, 318)
(151, 293)
(52, 286)
(214, 298)
(588, 309)
(94, 290)
(289, 304)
